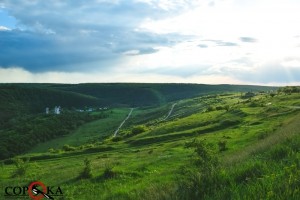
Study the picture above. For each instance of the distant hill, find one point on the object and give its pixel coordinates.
(143, 94)
(18, 99)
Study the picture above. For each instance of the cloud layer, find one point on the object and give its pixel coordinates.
(63, 35)
(150, 41)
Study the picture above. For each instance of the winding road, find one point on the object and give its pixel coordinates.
(116, 132)
(170, 112)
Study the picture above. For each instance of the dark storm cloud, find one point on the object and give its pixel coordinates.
(60, 35)
(39, 53)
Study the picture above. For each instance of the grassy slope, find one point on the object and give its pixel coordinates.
(149, 161)
(19, 99)
(27, 98)
(88, 133)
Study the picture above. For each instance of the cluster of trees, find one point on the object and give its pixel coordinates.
(23, 133)
(289, 89)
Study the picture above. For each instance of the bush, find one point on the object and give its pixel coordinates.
(206, 179)
(254, 104)
(263, 135)
(205, 156)
(52, 150)
(87, 170)
(67, 147)
(21, 167)
(138, 129)
(203, 185)
(116, 139)
(249, 171)
(211, 108)
(219, 108)
(108, 172)
(222, 145)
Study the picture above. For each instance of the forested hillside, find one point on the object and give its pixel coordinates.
(19, 99)
(141, 94)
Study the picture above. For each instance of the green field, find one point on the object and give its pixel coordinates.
(213, 146)
(87, 133)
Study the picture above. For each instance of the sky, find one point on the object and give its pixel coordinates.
(165, 41)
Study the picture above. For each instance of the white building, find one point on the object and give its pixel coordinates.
(57, 110)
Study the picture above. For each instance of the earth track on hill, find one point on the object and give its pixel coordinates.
(123, 122)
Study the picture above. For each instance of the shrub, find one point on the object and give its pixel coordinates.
(222, 145)
(116, 139)
(67, 147)
(21, 167)
(211, 108)
(227, 107)
(263, 135)
(202, 185)
(219, 108)
(204, 180)
(138, 129)
(108, 172)
(52, 150)
(205, 156)
(87, 170)
(249, 171)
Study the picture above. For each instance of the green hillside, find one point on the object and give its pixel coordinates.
(24, 104)
(218, 145)
(22, 99)
(19, 99)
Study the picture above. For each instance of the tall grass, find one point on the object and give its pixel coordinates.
(272, 173)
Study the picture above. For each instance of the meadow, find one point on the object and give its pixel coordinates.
(214, 146)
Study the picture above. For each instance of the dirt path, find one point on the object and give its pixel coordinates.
(170, 112)
(116, 132)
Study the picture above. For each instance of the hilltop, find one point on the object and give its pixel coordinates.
(34, 98)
